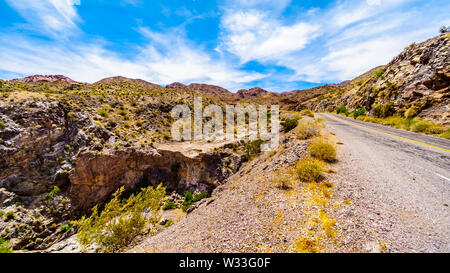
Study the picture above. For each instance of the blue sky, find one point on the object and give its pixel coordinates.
(277, 45)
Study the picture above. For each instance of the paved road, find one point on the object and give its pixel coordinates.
(405, 174)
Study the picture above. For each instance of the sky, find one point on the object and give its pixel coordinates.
(279, 45)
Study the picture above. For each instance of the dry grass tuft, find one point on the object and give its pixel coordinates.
(323, 151)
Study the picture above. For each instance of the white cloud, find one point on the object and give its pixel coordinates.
(374, 2)
(165, 59)
(253, 35)
(53, 17)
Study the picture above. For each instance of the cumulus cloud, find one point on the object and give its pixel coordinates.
(253, 35)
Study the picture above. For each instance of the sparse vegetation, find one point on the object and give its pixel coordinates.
(384, 110)
(307, 112)
(169, 205)
(444, 29)
(307, 128)
(342, 110)
(359, 112)
(53, 192)
(309, 170)
(378, 73)
(190, 198)
(9, 215)
(289, 124)
(121, 220)
(4, 246)
(411, 112)
(323, 151)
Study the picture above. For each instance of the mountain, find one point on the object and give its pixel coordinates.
(252, 92)
(44, 78)
(120, 79)
(176, 85)
(211, 90)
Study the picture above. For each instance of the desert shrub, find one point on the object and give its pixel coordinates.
(121, 220)
(4, 246)
(283, 180)
(190, 198)
(168, 224)
(359, 112)
(411, 112)
(53, 192)
(307, 112)
(103, 112)
(378, 73)
(169, 205)
(446, 134)
(421, 126)
(309, 170)
(252, 148)
(384, 110)
(2, 213)
(307, 128)
(9, 215)
(289, 123)
(323, 151)
(342, 110)
(2, 125)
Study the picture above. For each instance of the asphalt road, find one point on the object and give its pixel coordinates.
(405, 175)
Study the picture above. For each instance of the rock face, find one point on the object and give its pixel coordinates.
(44, 78)
(95, 177)
(251, 93)
(418, 77)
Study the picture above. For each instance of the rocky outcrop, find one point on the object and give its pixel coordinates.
(96, 176)
(251, 93)
(44, 78)
(418, 77)
(176, 85)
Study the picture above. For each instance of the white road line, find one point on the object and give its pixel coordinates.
(448, 179)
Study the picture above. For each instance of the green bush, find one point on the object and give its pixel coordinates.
(4, 246)
(378, 73)
(323, 151)
(342, 109)
(2, 125)
(359, 112)
(289, 123)
(446, 134)
(309, 170)
(421, 126)
(190, 199)
(384, 110)
(169, 205)
(53, 192)
(103, 113)
(252, 148)
(9, 215)
(121, 220)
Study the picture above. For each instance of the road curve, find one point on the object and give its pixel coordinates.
(405, 175)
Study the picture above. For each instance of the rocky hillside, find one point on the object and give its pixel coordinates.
(417, 78)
